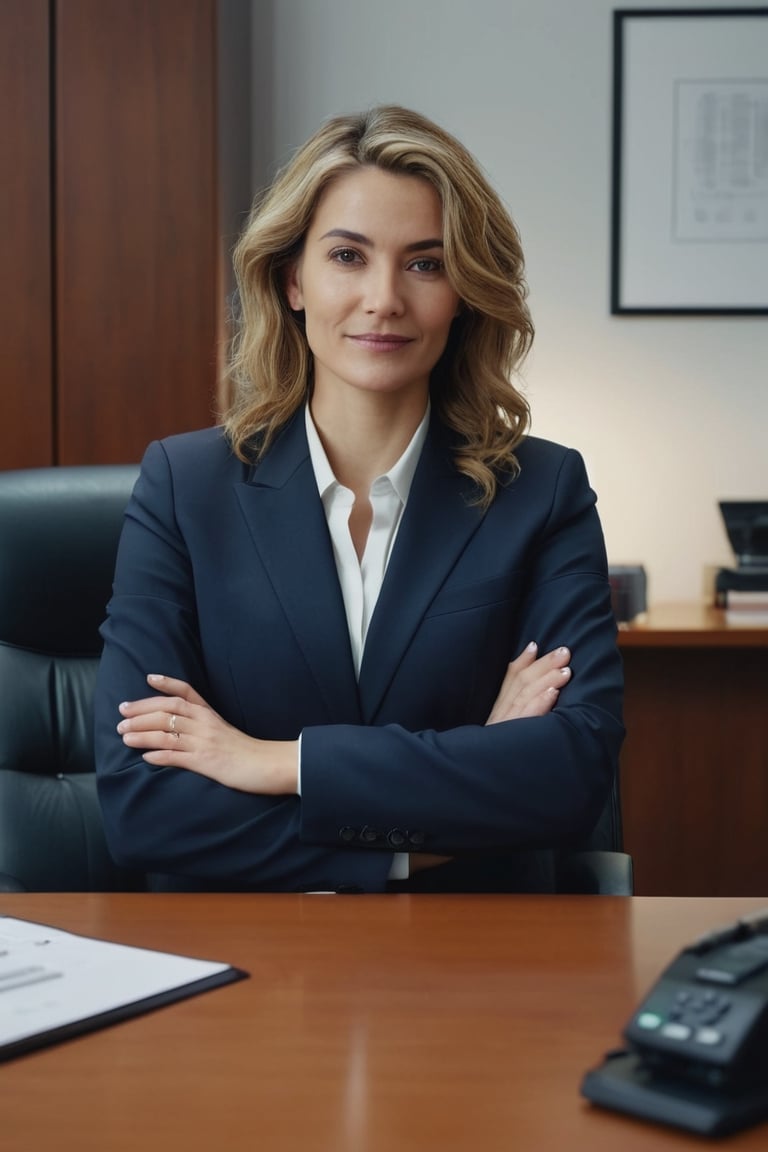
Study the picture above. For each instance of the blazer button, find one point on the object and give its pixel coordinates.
(369, 835)
(417, 839)
(347, 834)
(395, 838)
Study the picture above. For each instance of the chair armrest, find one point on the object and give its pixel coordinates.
(601, 873)
(10, 883)
(52, 836)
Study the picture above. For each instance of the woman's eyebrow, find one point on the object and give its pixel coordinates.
(359, 238)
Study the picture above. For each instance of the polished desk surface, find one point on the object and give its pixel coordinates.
(369, 1023)
(690, 625)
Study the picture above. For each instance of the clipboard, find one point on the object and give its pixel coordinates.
(57, 985)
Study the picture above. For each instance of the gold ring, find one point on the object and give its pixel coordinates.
(172, 724)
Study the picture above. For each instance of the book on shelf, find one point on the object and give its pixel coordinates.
(745, 608)
(751, 600)
(739, 618)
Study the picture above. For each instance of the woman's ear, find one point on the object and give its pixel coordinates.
(293, 286)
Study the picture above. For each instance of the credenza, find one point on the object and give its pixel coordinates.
(694, 768)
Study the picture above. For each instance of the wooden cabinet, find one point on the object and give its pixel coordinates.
(111, 293)
(695, 763)
(26, 356)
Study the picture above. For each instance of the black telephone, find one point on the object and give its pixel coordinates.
(697, 1045)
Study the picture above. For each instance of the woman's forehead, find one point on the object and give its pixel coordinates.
(370, 200)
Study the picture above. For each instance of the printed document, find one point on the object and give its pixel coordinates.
(56, 984)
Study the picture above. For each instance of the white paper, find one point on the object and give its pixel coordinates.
(50, 979)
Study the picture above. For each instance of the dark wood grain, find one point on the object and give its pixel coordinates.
(26, 390)
(694, 768)
(136, 235)
(692, 625)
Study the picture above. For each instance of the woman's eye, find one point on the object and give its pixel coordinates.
(427, 264)
(345, 256)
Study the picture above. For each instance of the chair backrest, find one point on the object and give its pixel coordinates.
(608, 834)
(599, 864)
(59, 529)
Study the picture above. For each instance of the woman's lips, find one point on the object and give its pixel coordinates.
(381, 341)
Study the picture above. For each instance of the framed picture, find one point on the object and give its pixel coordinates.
(689, 229)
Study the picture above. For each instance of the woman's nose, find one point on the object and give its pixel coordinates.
(383, 295)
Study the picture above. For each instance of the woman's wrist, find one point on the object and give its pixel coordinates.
(280, 764)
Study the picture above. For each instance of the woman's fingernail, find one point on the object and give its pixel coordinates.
(532, 647)
(154, 677)
(122, 707)
(563, 652)
(565, 672)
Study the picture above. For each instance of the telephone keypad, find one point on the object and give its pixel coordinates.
(705, 1021)
(692, 1015)
(708, 1036)
(675, 1031)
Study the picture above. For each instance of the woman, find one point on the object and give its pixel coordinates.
(373, 615)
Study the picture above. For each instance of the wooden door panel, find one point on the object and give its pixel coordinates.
(26, 395)
(136, 250)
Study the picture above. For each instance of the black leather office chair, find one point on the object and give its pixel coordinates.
(59, 529)
(599, 865)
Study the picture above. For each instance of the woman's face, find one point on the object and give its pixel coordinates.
(377, 302)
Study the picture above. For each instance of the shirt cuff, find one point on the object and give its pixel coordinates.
(400, 868)
(298, 769)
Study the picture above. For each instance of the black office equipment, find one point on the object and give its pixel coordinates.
(629, 591)
(746, 525)
(697, 1045)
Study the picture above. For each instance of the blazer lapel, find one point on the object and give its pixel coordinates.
(287, 524)
(437, 524)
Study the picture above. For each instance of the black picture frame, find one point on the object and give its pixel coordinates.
(689, 203)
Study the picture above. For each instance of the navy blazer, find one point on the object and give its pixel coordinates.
(226, 578)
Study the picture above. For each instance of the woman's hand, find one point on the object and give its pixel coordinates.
(179, 730)
(532, 684)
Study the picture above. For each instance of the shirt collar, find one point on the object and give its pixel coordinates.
(400, 475)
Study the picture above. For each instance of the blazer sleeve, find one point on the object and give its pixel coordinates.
(523, 783)
(168, 820)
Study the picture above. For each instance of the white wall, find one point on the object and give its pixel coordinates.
(671, 413)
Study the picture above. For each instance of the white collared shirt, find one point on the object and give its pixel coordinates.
(361, 580)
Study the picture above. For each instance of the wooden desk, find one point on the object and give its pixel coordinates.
(690, 626)
(695, 763)
(370, 1023)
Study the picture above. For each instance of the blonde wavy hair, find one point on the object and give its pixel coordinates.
(471, 385)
